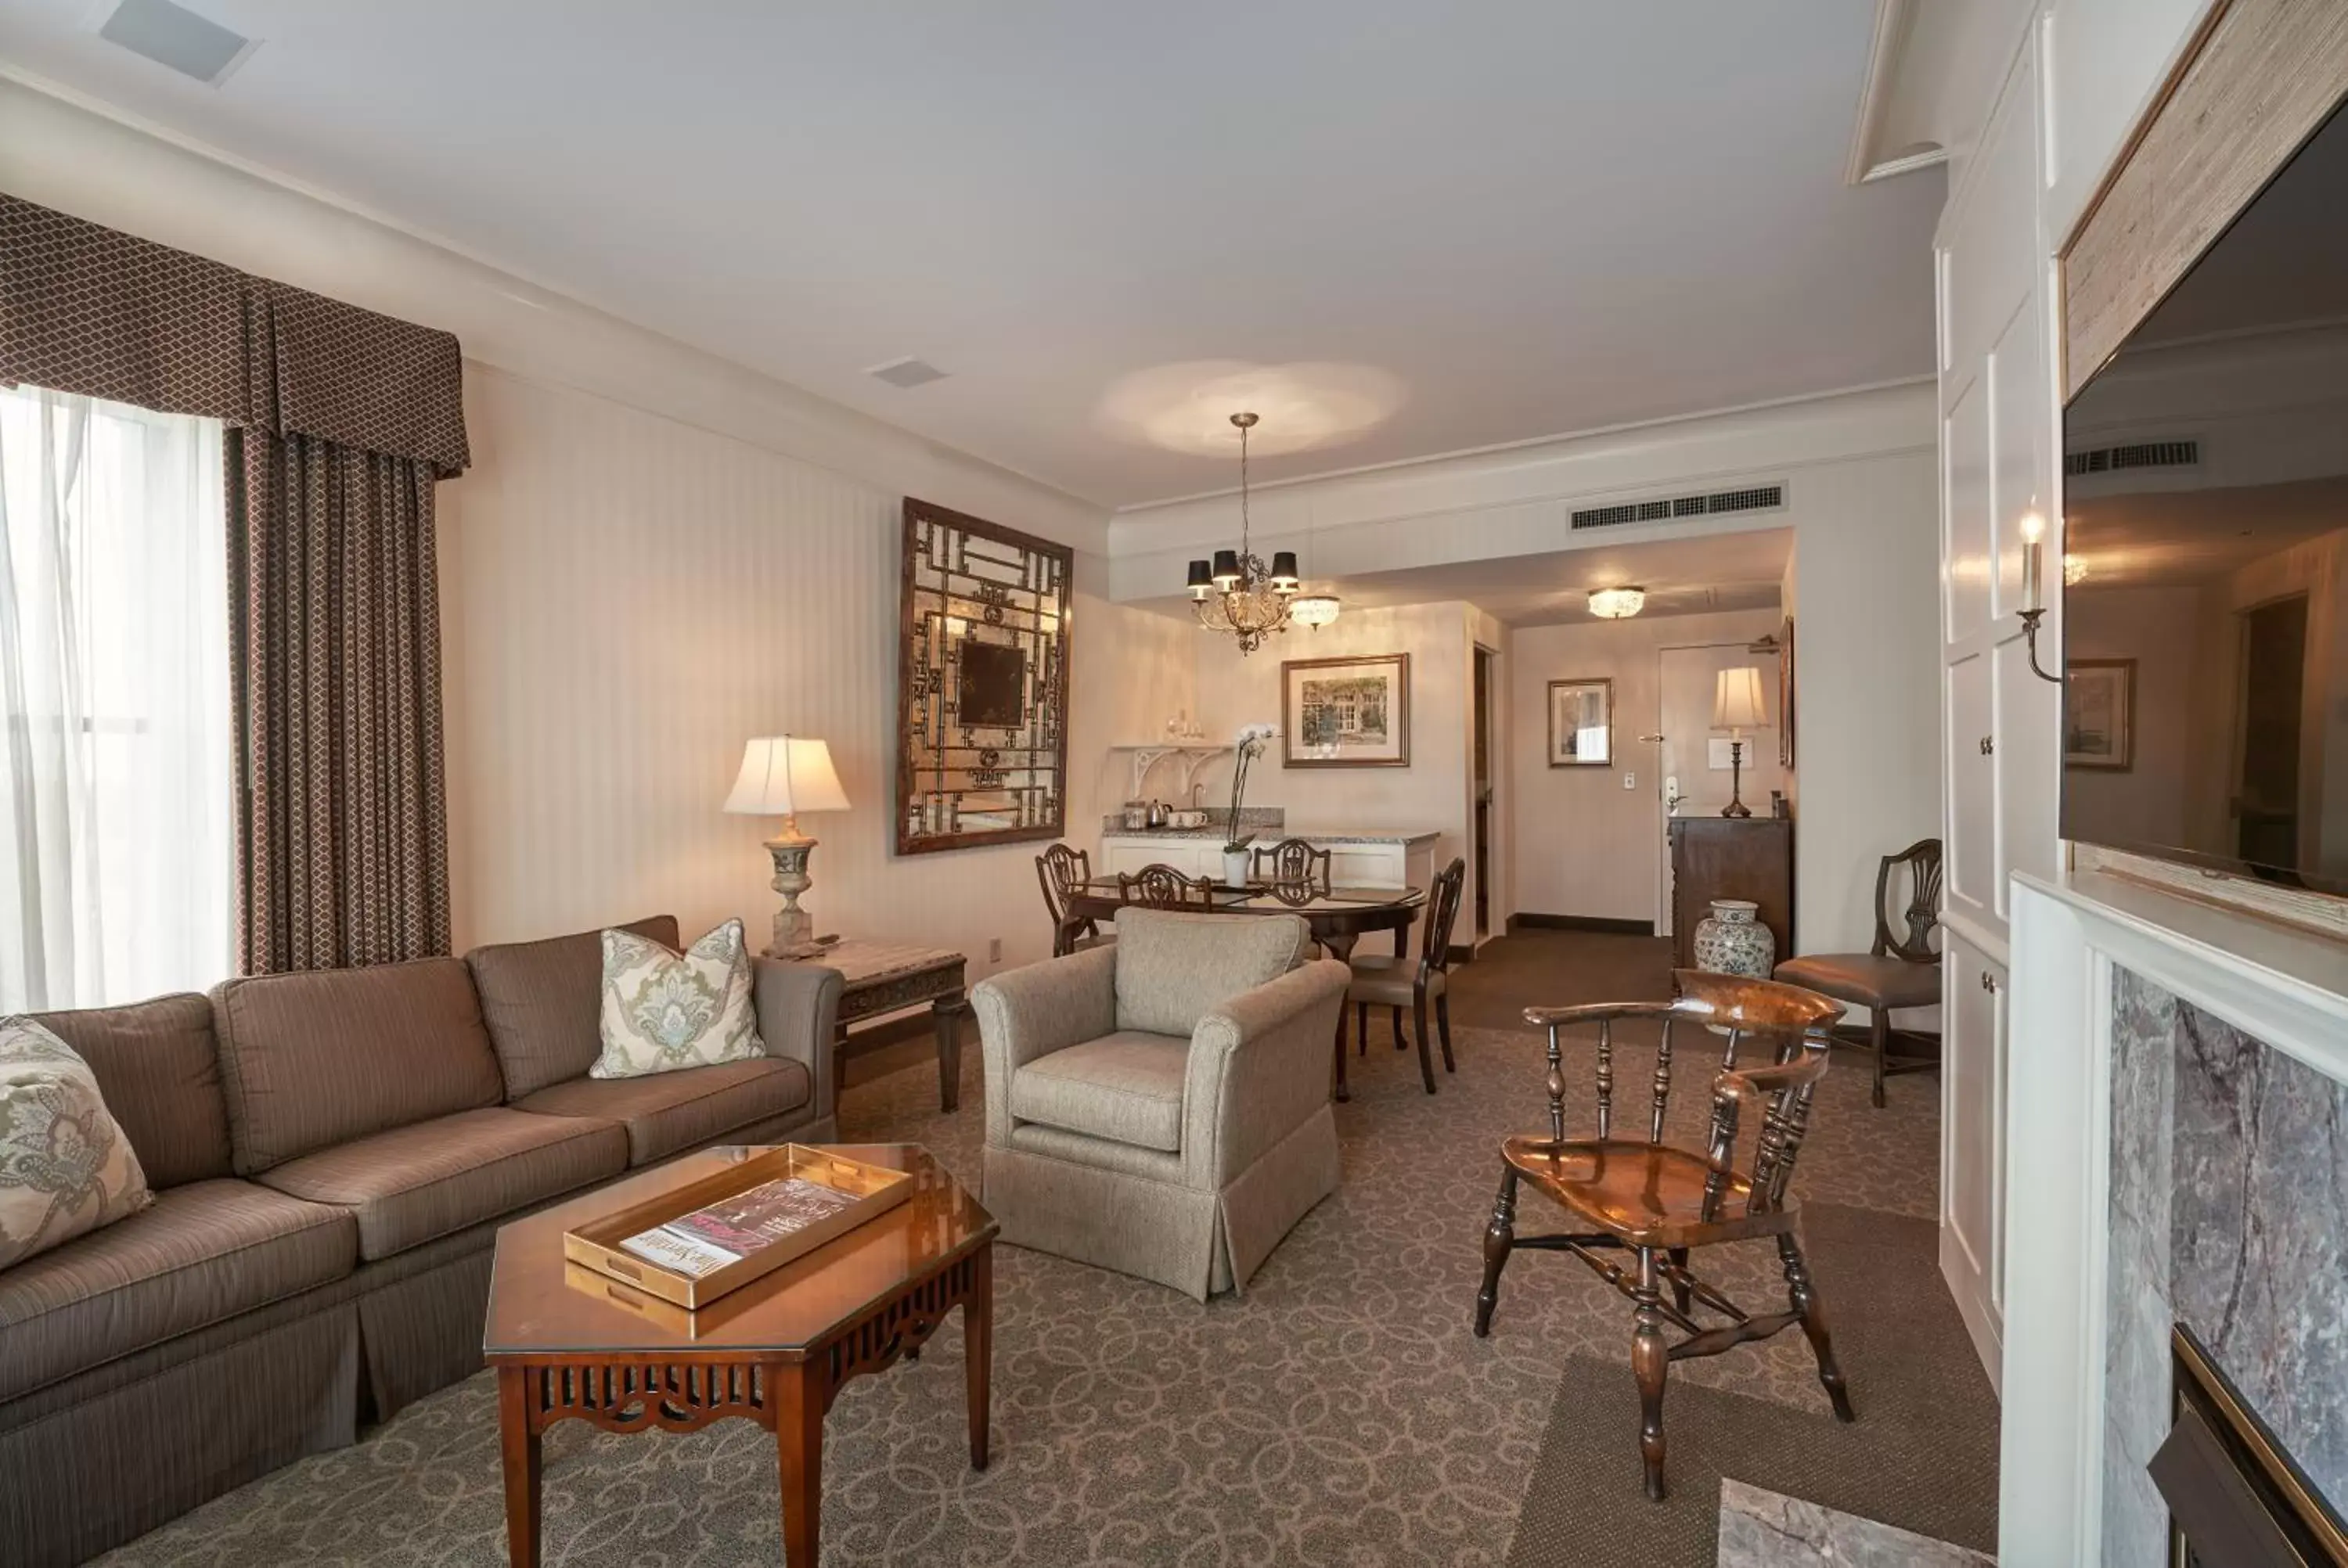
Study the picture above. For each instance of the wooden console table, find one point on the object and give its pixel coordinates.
(886, 978)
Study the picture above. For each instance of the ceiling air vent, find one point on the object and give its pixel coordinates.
(2136, 454)
(907, 373)
(175, 36)
(1753, 498)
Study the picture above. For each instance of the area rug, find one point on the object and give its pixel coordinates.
(1921, 1456)
(1339, 1413)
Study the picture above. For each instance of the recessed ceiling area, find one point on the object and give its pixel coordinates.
(1681, 576)
(1525, 219)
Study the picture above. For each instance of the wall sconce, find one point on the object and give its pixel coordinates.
(2034, 607)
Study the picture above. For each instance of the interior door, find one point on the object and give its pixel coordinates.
(1691, 785)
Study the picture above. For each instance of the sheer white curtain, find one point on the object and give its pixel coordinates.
(115, 768)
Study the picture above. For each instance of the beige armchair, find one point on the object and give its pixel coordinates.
(1160, 1106)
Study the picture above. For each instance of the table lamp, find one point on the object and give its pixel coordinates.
(783, 775)
(1736, 707)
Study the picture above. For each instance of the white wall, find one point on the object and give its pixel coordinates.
(1433, 791)
(2162, 629)
(1867, 695)
(629, 598)
(1586, 846)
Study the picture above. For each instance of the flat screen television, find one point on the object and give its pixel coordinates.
(2205, 565)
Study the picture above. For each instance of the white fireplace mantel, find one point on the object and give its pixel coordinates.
(2277, 984)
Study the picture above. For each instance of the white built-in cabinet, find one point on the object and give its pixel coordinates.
(2000, 434)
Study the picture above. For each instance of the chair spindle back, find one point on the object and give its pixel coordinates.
(1792, 1023)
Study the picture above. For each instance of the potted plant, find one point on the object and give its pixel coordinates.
(1248, 745)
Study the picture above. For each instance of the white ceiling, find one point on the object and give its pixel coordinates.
(1523, 218)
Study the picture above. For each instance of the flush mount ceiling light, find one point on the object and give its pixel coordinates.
(1617, 603)
(1236, 593)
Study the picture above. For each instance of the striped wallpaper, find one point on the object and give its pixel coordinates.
(627, 599)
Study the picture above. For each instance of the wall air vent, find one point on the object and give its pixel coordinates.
(1753, 498)
(2136, 454)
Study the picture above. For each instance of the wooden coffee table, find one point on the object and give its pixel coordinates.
(569, 1343)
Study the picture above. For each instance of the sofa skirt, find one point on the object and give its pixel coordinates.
(101, 1468)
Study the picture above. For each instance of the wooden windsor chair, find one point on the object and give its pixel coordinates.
(1063, 870)
(1643, 1197)
(1159, 886)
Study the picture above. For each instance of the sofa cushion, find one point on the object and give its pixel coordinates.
(159, 1068)
(673, 1111)
(202, 1252)
(540, 1000)
(1172, 968)
(66, 1168)
(664, 1010)
(425, 1180)
(318, 1059)
(1125, 1087)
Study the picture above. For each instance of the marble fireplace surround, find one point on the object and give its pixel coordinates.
(2107, 970)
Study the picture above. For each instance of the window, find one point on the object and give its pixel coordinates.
(115, 763)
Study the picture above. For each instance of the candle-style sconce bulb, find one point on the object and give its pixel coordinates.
(2033, 585)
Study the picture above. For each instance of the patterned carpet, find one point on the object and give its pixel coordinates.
(1338, 1413)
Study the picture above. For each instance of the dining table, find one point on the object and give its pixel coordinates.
(1337, 919)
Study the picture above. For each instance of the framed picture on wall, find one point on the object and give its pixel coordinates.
(1581, 723)
(1345, 712)
(2100, 714)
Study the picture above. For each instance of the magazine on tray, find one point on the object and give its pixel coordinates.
(732, 1229)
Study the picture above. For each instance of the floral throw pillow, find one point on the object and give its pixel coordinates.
(664, 1011)
(65, 1166)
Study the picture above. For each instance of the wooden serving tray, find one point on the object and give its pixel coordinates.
(596, 1245)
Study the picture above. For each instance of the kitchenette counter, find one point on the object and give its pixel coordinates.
(1358, 856)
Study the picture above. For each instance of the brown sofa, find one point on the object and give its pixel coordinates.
(332, 1154)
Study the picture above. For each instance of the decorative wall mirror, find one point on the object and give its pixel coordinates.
(982, 684)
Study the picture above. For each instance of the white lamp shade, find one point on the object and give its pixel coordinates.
(1736, 701)
(785, 774)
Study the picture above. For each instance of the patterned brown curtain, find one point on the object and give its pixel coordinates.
(340, 422)
(335, 635)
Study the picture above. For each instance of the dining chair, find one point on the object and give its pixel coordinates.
(1290, 866)
(1898, 972)
(1160, 886)
(1395, 982)
(1658, 1203)
(1063, 870)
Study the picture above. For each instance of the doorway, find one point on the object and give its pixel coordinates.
(1693, 775)
(1481, 818)
(2266, 798)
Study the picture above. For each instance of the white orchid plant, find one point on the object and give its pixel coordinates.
(1248, 744)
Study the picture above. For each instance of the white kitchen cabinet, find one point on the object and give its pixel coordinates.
(1397, 863)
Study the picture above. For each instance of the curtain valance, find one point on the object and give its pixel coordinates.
(89, 310)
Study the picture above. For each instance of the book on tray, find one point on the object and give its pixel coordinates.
(701, 1243)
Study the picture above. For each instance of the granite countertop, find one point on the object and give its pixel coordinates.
(1273, 835)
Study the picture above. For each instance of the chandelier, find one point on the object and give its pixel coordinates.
(1236, 593)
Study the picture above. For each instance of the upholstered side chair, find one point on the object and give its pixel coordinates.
(1159, 1105)
(1898, 972)
(1061, 871)
(1398, 983)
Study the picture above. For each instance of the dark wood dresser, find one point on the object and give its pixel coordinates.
(1731, 858)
